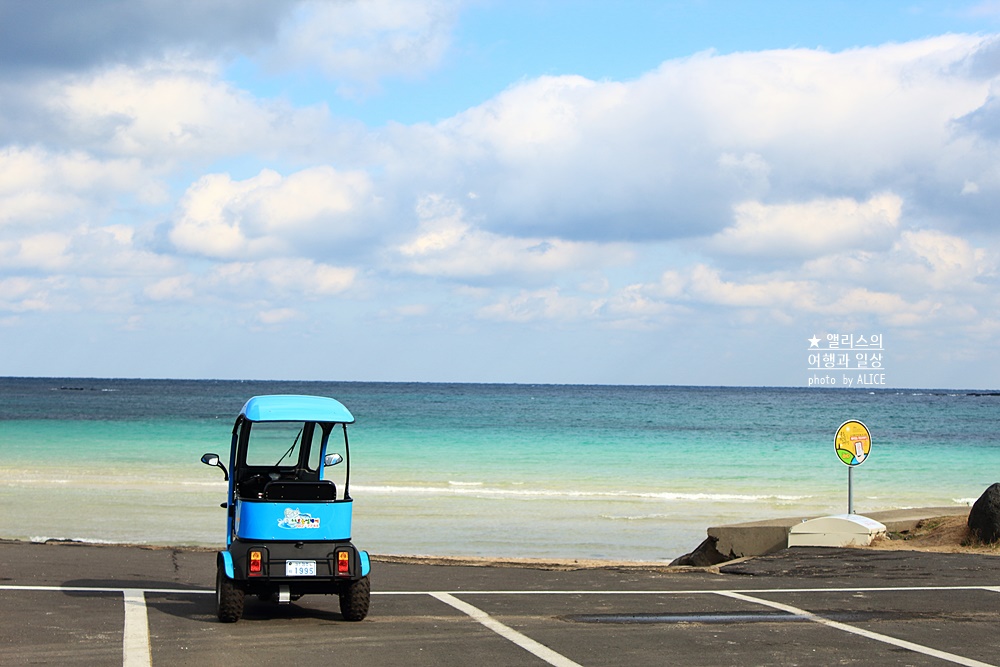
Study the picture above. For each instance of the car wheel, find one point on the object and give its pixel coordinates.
(355, 599)
(229, 597)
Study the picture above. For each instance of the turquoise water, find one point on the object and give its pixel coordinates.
(491, 470)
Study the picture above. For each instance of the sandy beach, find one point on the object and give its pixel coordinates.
(933, 534)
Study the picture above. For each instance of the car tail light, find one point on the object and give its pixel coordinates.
(344, 563)
(256, 563)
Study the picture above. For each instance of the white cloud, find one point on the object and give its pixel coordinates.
(270, 215)
(540, 305)
(536, 119)
(280, 277)
(277, 316)
(177, 109)
(781, 299)
(39, 186)
(45, 252)
(268, 282)
(942, 261)
(84, 251)
(313, 200)
(445, 244)
(888, 308)
(309, 278)
(672, 153)
(811, 228)
(205, 225)
(172, 288)
(22, 294)
(638, 305)
(359, 42)
(707, 285)
(788, 301)
(918, 263)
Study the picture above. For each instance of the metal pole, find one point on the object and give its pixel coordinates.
(850, 489)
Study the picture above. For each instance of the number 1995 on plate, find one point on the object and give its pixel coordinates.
(300, 568)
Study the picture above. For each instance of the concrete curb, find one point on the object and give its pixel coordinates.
(763, 537)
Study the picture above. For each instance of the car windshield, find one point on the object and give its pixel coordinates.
(281, 443)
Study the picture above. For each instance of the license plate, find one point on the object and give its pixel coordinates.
(300, 568)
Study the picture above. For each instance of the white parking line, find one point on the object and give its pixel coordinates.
(901, 643)
(528, 644)
(95, 589)
(135, 634)
(135, 643)
(136, 647)
(707, 591)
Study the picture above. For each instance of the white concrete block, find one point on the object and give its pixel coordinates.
(841, 530)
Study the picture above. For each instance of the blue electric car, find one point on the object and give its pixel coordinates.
(288, 525)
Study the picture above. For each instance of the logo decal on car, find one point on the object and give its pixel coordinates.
(295, 519)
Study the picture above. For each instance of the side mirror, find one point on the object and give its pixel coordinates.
(213, 460)
(331, 459)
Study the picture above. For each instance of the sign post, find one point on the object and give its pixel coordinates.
(853, 443)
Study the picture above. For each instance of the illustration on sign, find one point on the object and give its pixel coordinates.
(853, 442)
(296, 519)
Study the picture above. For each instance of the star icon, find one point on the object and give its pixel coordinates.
(814, 341)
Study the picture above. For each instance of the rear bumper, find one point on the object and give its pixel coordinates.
(337, 563)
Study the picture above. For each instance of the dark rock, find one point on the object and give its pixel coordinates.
(984, 517)
(705, 555)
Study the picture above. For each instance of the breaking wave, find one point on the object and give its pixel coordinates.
(479, 490)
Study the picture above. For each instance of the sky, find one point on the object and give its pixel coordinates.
(684, 192)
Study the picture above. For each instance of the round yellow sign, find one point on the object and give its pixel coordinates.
(853, 442)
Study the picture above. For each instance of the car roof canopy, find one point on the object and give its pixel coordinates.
(293, 408)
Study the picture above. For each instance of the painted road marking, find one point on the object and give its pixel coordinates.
(95, 589)
(528, 644)
(135, 635)
(901, 643)
(707, 591)
(136, 648)
(135, 643)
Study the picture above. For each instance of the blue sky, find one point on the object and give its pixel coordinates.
(496, 44)
(430, 190)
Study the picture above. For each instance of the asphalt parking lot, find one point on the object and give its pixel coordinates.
(807, 606)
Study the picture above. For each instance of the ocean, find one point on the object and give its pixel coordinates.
(492, 470)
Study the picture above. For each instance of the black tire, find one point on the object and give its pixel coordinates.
(355, 599)
(229, 597)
